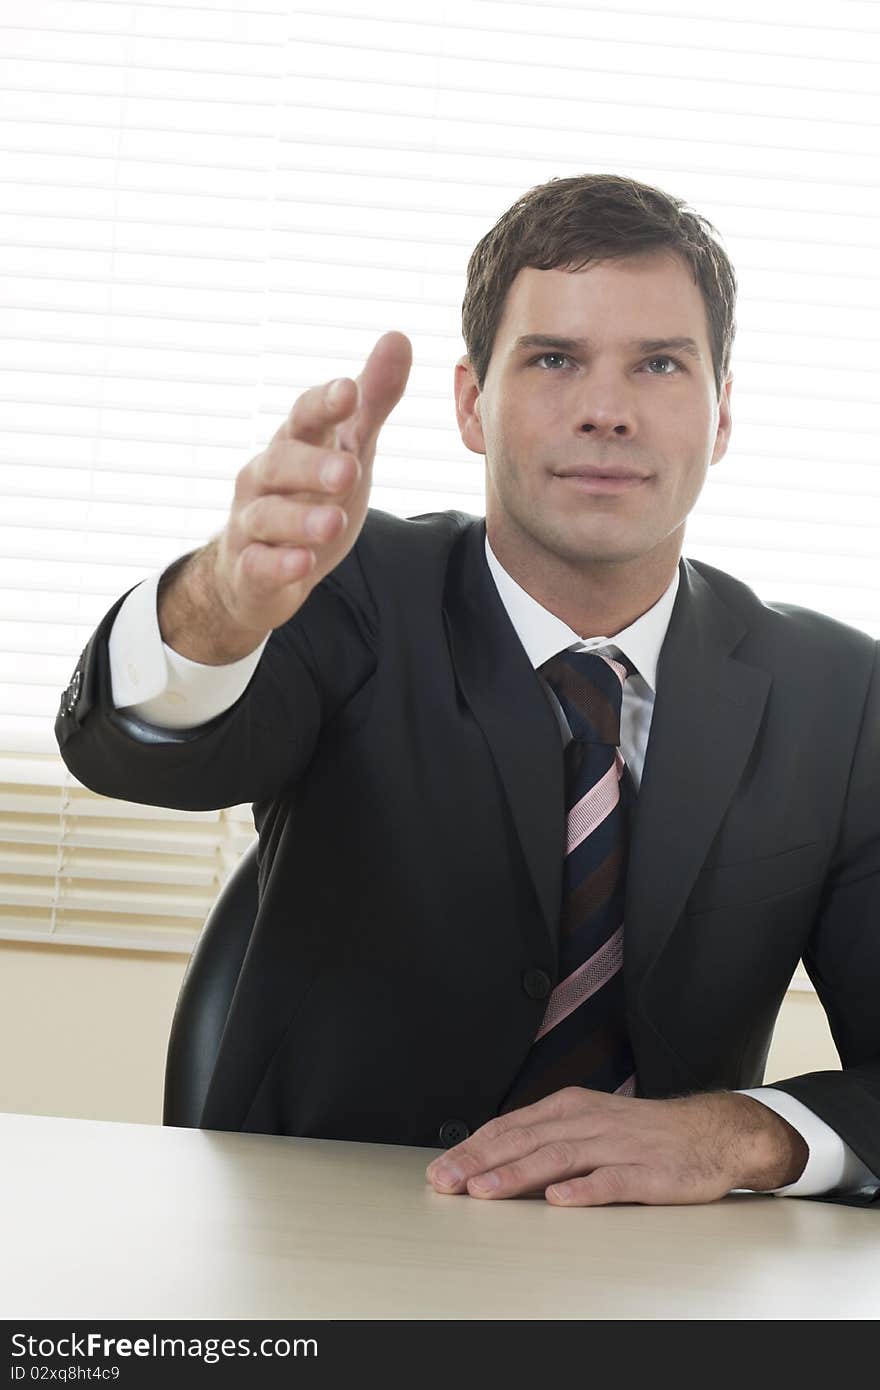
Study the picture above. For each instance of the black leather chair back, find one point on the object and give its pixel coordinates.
(206, 993)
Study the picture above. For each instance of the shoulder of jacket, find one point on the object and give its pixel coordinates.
(389, 548)
(785, 620)
(437, 530)
(419, 543)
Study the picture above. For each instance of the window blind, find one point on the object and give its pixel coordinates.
(206, 209)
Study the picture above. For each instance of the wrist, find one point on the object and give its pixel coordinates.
(772, 1153)
(193, 618)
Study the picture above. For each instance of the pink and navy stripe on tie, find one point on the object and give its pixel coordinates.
(582, 1039)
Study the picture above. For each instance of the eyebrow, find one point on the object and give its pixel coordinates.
(549, 340)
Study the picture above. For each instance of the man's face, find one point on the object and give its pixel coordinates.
(596, 451)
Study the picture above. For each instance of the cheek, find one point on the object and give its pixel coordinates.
(525, 433)
(687, 452)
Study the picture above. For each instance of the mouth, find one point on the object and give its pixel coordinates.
(596, 480)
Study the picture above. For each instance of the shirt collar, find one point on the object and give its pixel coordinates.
(543, 634)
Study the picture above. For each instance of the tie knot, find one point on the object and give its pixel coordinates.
(589, 687)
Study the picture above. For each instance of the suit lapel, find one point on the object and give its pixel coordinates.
(707, 712)
(504, 693)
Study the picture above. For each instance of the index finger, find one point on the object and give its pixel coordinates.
(558, 1105)
(315, 414)
(478, 1146)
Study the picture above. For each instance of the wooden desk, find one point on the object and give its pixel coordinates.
(137, 1221)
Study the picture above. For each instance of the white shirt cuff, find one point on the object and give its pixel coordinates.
(156, 683)
(831, 1166)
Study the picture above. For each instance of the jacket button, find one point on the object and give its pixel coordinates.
(536, 983)
(71, 694)
(453, 1132)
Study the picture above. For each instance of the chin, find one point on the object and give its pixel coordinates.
(595, 541)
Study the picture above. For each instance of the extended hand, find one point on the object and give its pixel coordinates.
(605, 1148)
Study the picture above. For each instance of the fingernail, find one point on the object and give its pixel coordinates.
(562, 1191)
(485, 1182)
(335, 390)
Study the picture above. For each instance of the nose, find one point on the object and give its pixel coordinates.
(606, 410)
(605, 422)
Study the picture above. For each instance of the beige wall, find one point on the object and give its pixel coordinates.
(83, 1033)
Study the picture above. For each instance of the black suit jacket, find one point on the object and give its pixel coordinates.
(406, 774)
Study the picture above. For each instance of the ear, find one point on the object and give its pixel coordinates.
(725, 422)
(468, 405)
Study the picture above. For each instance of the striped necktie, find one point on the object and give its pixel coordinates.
(583, 1039)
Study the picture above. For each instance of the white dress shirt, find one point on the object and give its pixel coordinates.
(165, 689)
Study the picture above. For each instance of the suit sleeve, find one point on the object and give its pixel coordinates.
(842, 959)
(313, 670)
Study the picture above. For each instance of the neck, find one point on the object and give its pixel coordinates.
(595, 598)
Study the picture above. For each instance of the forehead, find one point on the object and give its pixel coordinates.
(654, 294)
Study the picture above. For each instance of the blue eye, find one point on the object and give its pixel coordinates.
(674, 362)
(551, 354)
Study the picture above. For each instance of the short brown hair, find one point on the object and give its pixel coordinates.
(566, 223)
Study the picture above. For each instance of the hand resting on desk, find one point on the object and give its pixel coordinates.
(607, 1148)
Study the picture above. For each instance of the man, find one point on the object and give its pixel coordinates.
(547, 813)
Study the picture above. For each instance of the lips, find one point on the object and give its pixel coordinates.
(612, 473)
(599, 483)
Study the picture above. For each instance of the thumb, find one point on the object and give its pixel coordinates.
(623, 1182)
(380, 386)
